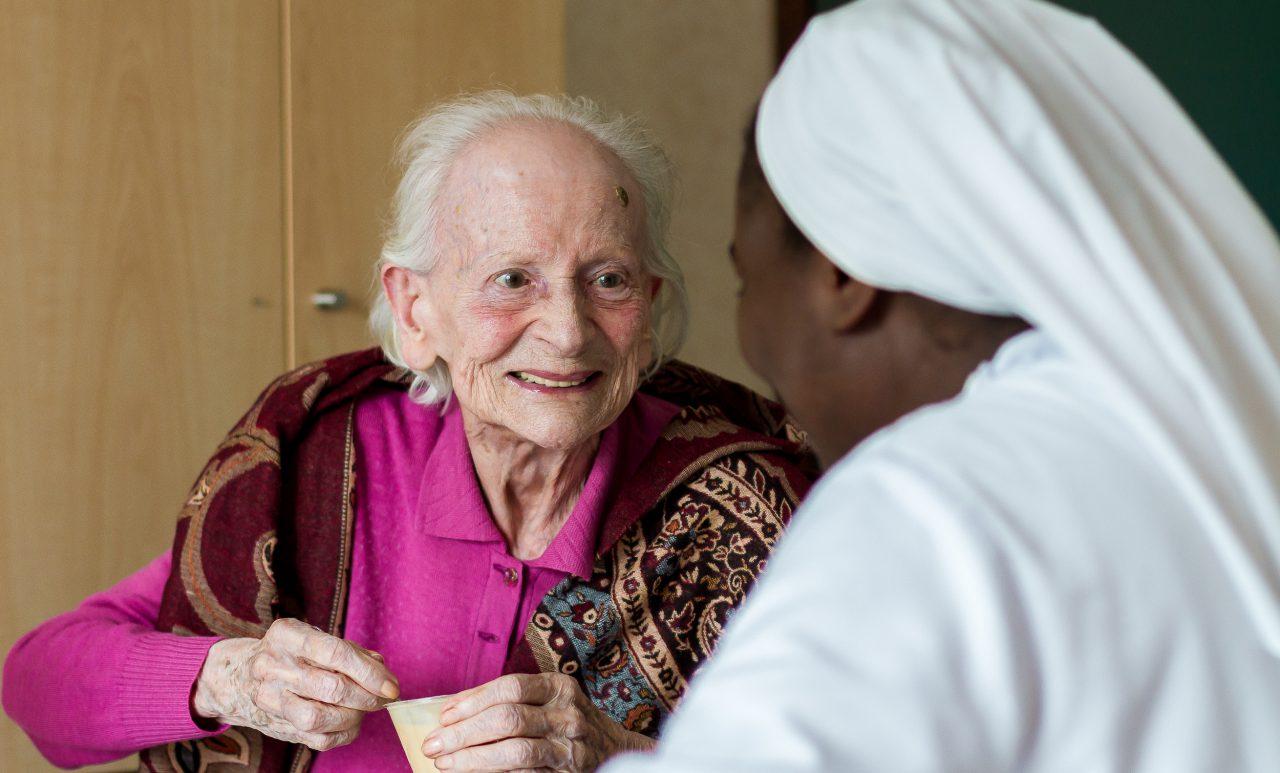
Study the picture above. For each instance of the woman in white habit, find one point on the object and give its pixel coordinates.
(1066, 558)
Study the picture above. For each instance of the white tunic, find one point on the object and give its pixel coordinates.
(915, 620)
(1074, 566)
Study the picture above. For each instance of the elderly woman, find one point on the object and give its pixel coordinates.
(519, 500)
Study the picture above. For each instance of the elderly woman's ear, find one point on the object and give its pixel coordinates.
(412, 310)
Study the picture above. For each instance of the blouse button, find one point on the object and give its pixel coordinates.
(510, 577)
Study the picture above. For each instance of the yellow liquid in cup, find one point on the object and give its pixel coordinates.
(414, 721)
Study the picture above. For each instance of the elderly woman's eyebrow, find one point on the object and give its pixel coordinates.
(503, 258)
(599, 253)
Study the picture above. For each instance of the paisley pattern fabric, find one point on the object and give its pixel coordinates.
(266, 533)
(634, 633)
(234, 750)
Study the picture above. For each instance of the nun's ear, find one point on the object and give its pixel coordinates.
(842, 303)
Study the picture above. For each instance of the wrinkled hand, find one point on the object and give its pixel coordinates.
(527, 722)
(296, 683)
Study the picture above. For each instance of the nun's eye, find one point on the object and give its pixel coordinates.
(512, 280)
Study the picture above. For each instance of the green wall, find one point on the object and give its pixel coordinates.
(1222, 62)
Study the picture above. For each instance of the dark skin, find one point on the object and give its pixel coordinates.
(846, 359)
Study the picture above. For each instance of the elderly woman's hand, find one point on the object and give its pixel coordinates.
(296, 683)
(527, 722)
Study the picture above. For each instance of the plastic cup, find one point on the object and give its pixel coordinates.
(414, 721)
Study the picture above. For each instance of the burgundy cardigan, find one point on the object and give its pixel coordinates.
(266, 533)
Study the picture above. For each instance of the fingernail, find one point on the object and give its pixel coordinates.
(433, 747)
(444, 763)
(446, 716)
(390, 689)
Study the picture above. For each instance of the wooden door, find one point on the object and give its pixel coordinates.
(141, 293)
(176, 178)
(360, 73)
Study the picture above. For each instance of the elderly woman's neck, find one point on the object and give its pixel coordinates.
(530, 490)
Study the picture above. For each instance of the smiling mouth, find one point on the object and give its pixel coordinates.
(555, 380)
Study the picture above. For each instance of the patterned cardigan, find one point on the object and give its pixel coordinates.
(266, 533)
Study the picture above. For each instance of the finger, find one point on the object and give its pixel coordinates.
(323, 742)
(334, 654)
(289, 632)
(506, 720)
(330, 687)
(329, 652)
(508, 754)
(375, 655)
(533, 689)
(309, 716)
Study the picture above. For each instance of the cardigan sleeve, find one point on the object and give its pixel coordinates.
(99, 682)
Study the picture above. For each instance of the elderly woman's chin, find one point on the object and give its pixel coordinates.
(550, 416)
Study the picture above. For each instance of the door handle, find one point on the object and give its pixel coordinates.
(328, 300)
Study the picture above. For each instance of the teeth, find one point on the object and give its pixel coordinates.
(532, 379)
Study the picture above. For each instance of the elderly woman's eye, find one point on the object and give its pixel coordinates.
(512, 280)
(610, 281)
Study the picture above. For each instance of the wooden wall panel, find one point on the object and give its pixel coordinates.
(141, 301)
(360, 73)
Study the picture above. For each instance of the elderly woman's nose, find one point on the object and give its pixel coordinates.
(565, 322)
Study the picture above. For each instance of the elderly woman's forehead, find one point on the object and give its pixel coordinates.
(537, 151)
(538, 181)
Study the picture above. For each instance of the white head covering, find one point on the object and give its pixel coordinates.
(1009, 157)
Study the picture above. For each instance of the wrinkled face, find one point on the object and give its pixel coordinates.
(539, 301)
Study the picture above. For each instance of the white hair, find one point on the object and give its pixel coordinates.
(429, 147)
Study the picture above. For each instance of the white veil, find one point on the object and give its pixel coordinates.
(1007, 156)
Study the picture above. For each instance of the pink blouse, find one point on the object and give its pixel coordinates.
(433, 588)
